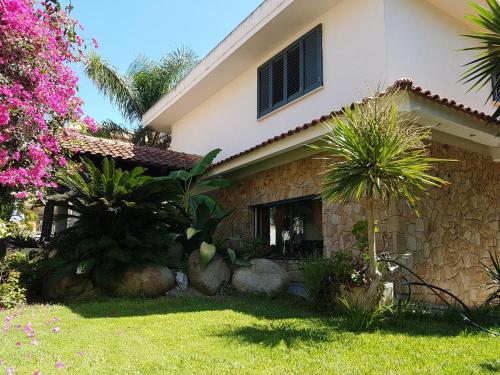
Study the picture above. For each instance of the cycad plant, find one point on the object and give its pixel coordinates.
(134, 92)
(123, 217)
(486, 64)
(376, 153)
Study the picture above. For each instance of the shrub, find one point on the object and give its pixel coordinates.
(239, 251)
(324, 276)
(11, 291)
(27, 271)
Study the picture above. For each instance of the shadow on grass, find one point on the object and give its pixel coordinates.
(491, 366)
(269, 309)
(260, 307)
(281, 333)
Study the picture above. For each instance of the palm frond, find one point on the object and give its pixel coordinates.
(119, 89)
(375, 151)
(486, 64)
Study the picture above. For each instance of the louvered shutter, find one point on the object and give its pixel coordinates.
(264, 90)
(312, 60)
(278, 81)
(293, 75)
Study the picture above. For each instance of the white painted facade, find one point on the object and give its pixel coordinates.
(366, 44)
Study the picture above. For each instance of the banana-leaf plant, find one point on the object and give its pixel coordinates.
(205, 212)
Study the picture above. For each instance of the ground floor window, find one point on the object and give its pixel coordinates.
(291, 228)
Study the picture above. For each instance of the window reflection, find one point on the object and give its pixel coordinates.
(292, 229)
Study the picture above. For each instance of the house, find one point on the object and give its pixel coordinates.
(262, 92)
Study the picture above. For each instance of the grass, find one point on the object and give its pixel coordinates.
(188, 335)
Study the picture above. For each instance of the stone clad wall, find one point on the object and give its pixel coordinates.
(459, 224)
(447, 243)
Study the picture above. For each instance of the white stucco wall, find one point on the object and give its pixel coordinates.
(425, 43)
(365, 43)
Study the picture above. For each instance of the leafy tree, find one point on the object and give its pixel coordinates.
(376, 153)
(133, 93)
(486, 64)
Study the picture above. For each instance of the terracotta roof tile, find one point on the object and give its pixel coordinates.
(403, 84)
(146, 156)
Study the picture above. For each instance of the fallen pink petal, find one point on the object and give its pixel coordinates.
(10, 371)
(56, 329)
(18, 344)
(59, 365)
(34, 342)
(81, 354)
(37, 373)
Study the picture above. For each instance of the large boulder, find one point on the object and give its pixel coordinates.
(210, 279)
(148, 280)
(67, 287)
(263, 276)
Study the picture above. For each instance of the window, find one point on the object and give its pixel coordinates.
(292, 73)
(292, 228)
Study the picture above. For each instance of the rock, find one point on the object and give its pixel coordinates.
(262, 277)
(66, 287)
(207, 280)
(147, 281)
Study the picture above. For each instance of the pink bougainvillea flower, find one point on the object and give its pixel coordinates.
(4, 115)
(94, 42)
(30, 334)
(27, 327)
(59, 364)
(56, 329)
(38, 91)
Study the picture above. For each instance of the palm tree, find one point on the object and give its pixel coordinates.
(133, 93)
(376, 153)
(486, 64)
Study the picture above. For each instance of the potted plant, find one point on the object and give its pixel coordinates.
(376, 154)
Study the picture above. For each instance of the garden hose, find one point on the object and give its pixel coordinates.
(434, 289)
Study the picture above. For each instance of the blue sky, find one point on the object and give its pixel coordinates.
(127, 28)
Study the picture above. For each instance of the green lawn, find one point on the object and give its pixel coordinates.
(184, 335)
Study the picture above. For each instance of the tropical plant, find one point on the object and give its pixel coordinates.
(376, 153)
(123, 217)
(486, 64)
(493, 273)
(133, 93)
(128, 217)
(204, 212)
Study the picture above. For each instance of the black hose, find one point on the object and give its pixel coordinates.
(434, 288)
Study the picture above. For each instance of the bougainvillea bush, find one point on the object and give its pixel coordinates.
(38, 42)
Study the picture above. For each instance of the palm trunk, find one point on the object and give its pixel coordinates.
(372, 296)
(372, 243)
